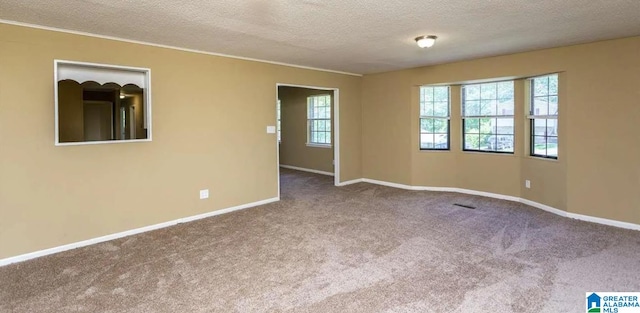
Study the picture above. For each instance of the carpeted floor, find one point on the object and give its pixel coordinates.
(359, 248)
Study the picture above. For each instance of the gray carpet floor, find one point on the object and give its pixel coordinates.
(359, 248)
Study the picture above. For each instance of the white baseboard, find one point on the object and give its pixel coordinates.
(604, 221)
(388, 184)
(306, 170)
(37, 254)
(544, 207)
(443, 189)
(350, 182)
(534, 204)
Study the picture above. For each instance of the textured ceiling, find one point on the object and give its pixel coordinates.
(354, 36)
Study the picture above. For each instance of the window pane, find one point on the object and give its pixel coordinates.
(472, 125)
(552, 146)
(541, 86)
(553, 105)
(488, 107)
(489, 91)
(553, 84)
(441, 94)
(472, 92)
(488, 142)
(493, 134)
(426, 125)
(504, 126)
(441, 141)
(440, 126)
(472, 142)
(472, 108)
(505, 107)
(505, 143)
(428, 109)
(434, 102)
(540, 106)
(428, 94)
(544, 132)
(539, 127)
(319, 119)
(540, 145)
(427, 141)
(441, 109)
(487, 126)
(505, 90)
(552, 127)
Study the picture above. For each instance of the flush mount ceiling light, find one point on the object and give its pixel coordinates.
(426, 41)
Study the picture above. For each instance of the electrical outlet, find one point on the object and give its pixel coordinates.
(527, 183)
(204, 194)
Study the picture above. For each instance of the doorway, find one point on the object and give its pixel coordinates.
(98, 120)
(317, 132)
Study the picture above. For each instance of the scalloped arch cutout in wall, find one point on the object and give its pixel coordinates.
(98, 103)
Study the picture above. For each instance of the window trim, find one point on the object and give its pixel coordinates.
(309, 143)
(532, 117)
(465, 117)
(447, 118)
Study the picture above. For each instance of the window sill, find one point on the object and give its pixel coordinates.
(434, 150)
(316, 145)
(100, 142)
(489, 152)
(541, 158)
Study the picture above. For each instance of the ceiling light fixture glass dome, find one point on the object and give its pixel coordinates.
(426, 41)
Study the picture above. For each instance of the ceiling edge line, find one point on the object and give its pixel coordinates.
(75, 32)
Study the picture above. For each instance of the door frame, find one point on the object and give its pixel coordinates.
(336, 129)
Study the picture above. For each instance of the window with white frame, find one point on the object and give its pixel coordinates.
(434, 118)
(278, 123)
(543, 116)
(488, 117)
(319, 120)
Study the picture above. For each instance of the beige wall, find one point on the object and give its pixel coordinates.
(293, 147)
(209, 131)
(212, 135)
(597, 172)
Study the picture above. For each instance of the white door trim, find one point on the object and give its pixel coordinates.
(336, 130)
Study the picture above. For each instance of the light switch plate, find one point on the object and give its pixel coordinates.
(271, 129)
